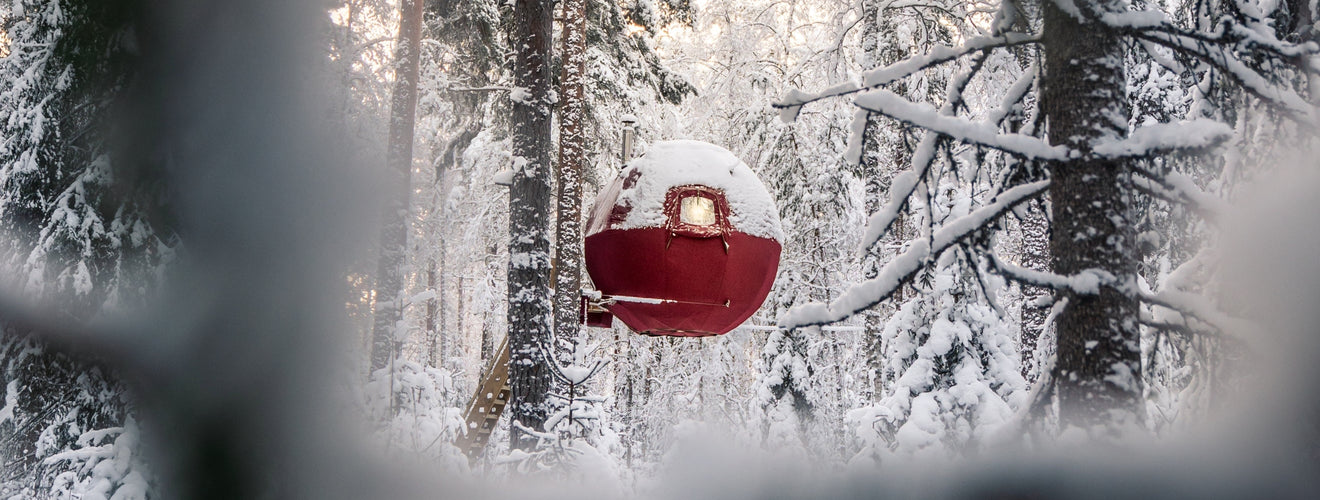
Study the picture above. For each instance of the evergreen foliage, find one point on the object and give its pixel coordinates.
(81, 232)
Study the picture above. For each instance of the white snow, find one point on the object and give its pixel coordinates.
(519, 95)
(669, 164)
(926, 116)
(1194, 134)
(793, 101)
(872, 291)
(576, 374)
(1086, 282)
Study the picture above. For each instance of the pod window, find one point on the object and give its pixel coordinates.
(697, 211)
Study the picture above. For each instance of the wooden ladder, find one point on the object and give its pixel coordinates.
(487, 404)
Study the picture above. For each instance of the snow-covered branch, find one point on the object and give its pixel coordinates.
(1180, 189)
(903, 267)
(1277, 96)
(487, 88)
(941, 54)
(792, 103)
(1185, 327)
(1014, 95)
(926, 116)
(1087, 282)
(1228, 32)
(1196, 306)
(904, 184)
(1195, 135)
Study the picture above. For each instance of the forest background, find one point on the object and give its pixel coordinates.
(191, 243)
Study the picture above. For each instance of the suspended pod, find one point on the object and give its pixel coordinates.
(685, 242)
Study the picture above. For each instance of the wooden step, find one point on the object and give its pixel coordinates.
(487, 404)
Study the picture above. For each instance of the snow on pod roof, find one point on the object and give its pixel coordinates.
(668, 164)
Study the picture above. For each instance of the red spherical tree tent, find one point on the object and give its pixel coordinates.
(685, 242)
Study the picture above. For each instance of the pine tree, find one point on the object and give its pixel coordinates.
(1099, 360)
(783, 391)
(530, 314)
(801, 168)
(398, 181)
(568, 178)
(951, 365)
(77, 235)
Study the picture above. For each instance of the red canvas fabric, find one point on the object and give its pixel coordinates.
(712, 278)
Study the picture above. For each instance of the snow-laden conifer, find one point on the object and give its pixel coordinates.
(951, 367)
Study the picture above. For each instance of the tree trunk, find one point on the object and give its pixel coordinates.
(572, 155)
(460, 328)
(432, 308)
(1036, 256)
(1098, 367)
(397, 182)
(884, 151)
(529, 203)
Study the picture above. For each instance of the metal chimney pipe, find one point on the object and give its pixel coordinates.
(629, 123)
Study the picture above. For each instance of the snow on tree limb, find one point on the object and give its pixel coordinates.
(792, 102)
(1178, 188)
(1196, 306)
(926, 116)
(903, 185)
(1183, 326)
(1287, 101)
(1014, 95)
(941, 54)
(1194, 135)
(904, 266)
(1228, 31)
(1217, 47)
(1161, 58)
(1087, 282)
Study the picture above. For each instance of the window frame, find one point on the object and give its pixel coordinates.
(674, 211)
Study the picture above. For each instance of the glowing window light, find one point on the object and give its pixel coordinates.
(698, 211)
